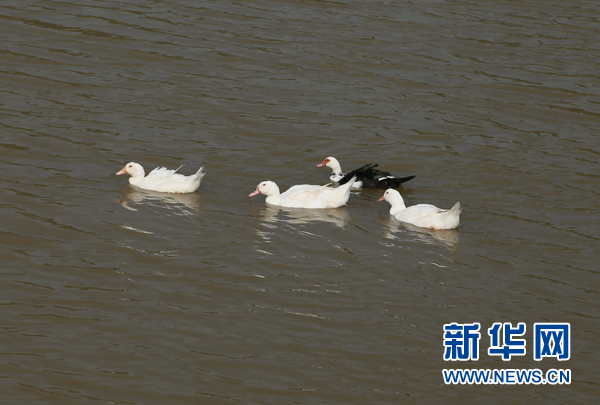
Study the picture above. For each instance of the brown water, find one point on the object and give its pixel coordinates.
(216, 298)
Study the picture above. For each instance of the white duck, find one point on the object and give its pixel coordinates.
(367, 175)
(305, 195)
(422, 215)
(162, 179)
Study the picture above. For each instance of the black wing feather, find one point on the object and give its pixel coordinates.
(363, 172)
(373, 178)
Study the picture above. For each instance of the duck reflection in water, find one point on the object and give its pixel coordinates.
(449, 238)
(336, 216)
(180, 204)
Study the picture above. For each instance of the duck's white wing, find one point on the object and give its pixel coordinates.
(161, 179)
(430, 216)
(303, 193)
(415, 212)
(433, 211)
(161, 174)
(165, 180)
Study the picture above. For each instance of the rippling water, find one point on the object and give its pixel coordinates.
(115, 295)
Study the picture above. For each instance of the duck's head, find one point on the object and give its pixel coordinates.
(390, 196)
(267, 188)
(133, 169)
(330, 162)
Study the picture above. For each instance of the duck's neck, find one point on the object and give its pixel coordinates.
(397, 203)
(335, 167)
(336, 176)
(274, 196)
(137, 177)
(336, 171)
(273, 199)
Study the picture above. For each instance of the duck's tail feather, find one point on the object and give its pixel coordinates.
(456, 209)
(365, 171)
(450, 219)
(200, 173)
(393, 182)
(347, 185)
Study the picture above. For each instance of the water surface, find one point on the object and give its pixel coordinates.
(117, 295)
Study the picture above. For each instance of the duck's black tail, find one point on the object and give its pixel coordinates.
(393, 182)
(373, 178)
(364, 172)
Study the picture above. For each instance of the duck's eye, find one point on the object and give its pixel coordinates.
(129, 166)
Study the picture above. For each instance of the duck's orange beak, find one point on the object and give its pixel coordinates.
(323, 163)
(382, 198)
(122, 171)
(255, 192)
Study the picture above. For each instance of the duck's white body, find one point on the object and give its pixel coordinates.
(305, 195)
(422, 215)
(162, 179)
